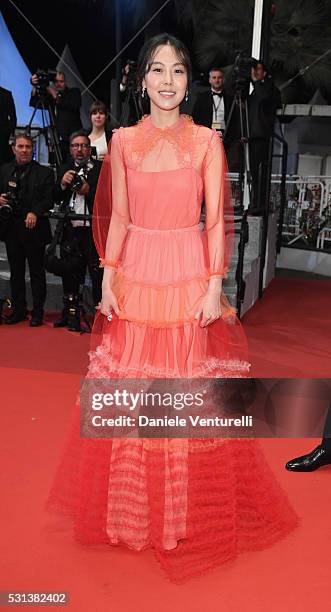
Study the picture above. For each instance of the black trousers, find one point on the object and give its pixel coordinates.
(234, 155)
(326, 442)
(22, 247)
(258, 161)
(71, 282)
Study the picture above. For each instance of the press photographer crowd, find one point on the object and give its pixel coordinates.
(240, 106)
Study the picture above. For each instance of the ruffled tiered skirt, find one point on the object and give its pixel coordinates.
(197, 503)
(159, 286)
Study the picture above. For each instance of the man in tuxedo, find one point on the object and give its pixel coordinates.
(319, 456)
(7, 123)
(26, 193)
(65, 103)
(212, 108)
(79, 200)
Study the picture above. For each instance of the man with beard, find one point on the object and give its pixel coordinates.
(79, 199)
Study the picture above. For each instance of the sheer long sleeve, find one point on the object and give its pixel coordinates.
(218, 208)
(112, 206)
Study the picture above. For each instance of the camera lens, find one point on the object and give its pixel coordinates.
(6, 212)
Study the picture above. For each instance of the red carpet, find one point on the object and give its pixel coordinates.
(40, 371)
(289, 329)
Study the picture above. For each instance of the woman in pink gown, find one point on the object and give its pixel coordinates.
(197, 503)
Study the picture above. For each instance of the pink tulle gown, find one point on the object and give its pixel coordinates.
(197, 503)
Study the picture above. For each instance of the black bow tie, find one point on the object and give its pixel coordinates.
(217, 93)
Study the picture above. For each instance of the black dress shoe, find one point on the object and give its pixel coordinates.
(36, 322)
(15, 318)
(62, 322)
(74, 326)
(310, 462)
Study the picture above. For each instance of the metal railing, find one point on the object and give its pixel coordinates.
(304, 204)
(306, 219)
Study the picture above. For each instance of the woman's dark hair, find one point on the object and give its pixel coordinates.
(148, 50)
(98, 107)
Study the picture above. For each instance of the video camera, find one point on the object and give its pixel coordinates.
(241, 73)
(45, 78)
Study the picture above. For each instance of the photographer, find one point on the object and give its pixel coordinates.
(133, 106)
(76, 189)
(262, 105)
(65, 103)
(26, 190)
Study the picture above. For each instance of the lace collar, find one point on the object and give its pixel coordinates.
(180, 135)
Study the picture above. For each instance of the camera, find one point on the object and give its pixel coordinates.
(7, 210)
(45, 77)
(241, 73)
(78, 180)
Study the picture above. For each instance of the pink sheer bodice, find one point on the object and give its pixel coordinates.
(159, 177)
(176, 196)
(152, 187)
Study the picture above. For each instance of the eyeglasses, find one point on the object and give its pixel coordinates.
(77, 146)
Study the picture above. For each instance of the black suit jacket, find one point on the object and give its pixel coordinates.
(262, 105)
(37, 198)
(7, 124)
(7, 112)
(66, 111)
(63, 195)
(203, 112)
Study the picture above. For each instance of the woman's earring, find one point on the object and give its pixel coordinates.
(143, 91)
(186, 96)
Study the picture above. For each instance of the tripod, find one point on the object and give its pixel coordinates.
(245, 178)
(48, 130)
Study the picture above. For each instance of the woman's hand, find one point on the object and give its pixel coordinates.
(108, 299)
(210, 307)
(108, 302)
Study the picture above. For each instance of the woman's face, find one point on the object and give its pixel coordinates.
(166, 80)
(98, 119)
